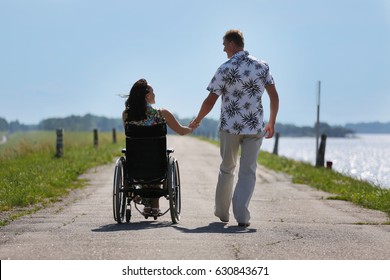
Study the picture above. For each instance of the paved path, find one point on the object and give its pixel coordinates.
(289, 221)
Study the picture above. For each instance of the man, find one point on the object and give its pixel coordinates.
(240, 82)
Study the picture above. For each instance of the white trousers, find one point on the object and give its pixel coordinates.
(243, 191)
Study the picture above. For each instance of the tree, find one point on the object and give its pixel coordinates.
(3, 124)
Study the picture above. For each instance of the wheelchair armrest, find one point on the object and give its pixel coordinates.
(123, 151)
(170, 150)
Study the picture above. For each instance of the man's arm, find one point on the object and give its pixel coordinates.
(274, 108)
(206, 107)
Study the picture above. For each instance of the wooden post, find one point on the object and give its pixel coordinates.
(321, 152)
(95, 138)
(318, 120)
(276, 145)
(60, 143)
(114, 135)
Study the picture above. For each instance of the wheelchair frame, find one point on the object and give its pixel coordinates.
(126, 188)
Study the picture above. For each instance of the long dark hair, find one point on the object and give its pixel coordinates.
(136, 102)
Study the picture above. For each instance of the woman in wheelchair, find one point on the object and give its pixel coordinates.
(139, 111)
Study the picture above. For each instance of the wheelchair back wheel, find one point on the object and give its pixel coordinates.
(174, 191)
(119, 195)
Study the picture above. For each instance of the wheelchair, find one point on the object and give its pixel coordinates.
(146, 170)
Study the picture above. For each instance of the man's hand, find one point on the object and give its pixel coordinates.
(269, 131)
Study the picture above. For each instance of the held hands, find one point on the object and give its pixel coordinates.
(194, 124)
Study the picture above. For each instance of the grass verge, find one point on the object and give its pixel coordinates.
(31, 177)
(345, 188)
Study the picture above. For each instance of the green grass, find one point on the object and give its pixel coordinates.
(31, 175)
(343, 187)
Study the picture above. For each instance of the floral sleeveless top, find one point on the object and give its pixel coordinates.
(153, 117)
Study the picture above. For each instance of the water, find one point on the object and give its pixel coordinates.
(366, 157)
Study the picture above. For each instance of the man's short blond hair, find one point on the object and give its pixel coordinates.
(236, 36)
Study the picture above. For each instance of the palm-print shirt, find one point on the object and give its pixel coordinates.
(241, 82)
(153, 117)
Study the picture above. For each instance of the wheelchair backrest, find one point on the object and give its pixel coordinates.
(146, 152)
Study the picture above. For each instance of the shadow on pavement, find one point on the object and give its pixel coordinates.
(132, 226)
(215, 228)
(144, 225)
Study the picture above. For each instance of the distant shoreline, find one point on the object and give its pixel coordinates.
(209, 126)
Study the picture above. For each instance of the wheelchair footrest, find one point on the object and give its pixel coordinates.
(146, 215)
(155, 215)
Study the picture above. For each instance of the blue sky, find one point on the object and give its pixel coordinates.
(64, 57)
